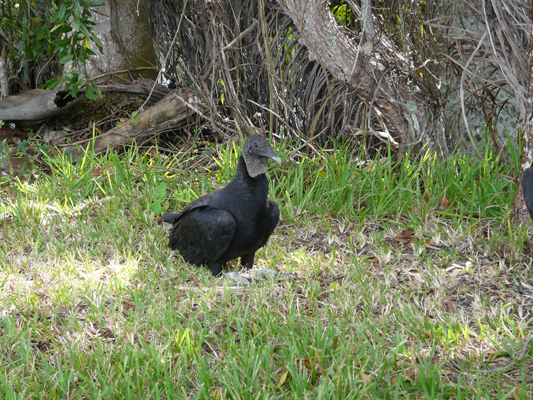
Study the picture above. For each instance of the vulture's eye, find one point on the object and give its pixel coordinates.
(256, 145)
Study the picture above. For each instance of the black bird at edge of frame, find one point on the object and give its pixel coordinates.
(231, 222)
(527, 189)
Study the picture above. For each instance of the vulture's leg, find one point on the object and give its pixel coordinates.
(247, 261)
(215, 268)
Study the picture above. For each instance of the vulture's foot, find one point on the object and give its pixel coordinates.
(255, 274)
(265, 273)
(235, 276)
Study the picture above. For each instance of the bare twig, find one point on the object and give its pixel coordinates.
(306, 141)
(242, 35)
(201, 114)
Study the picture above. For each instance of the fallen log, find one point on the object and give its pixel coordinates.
(171, 112)
(36, 105)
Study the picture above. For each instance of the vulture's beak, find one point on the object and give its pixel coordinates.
(276, 159)
(270, 154)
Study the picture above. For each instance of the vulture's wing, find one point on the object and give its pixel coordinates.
(174, 216)
(170, 216)
(202, 234)
(527, 188)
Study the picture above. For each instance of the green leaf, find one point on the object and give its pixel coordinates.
(157, 207)
(62, 11)
(56, 26)
(74, 91)
(52, 83)
(65, 59)
(96, 89)
(96, 41)
(73, 79)
(89, 93)
(76, 24)
(84, 30)
(161, 190)
(64, 29)
(61, 42)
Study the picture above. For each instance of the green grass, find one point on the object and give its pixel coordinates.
(399, 293)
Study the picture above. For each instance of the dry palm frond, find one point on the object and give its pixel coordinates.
(251, 56)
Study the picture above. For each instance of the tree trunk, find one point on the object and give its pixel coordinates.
(4, 88)
(394, 99)
(124, 30)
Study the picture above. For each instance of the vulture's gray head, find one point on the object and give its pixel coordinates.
(256, 152)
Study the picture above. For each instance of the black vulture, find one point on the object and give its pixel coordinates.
(232, 222)
(527, 189)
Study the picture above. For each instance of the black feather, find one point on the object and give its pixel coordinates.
(232, 222)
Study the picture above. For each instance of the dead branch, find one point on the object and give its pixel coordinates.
(169, 113)
(33, 106)
(242, 35)
(37, 105)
